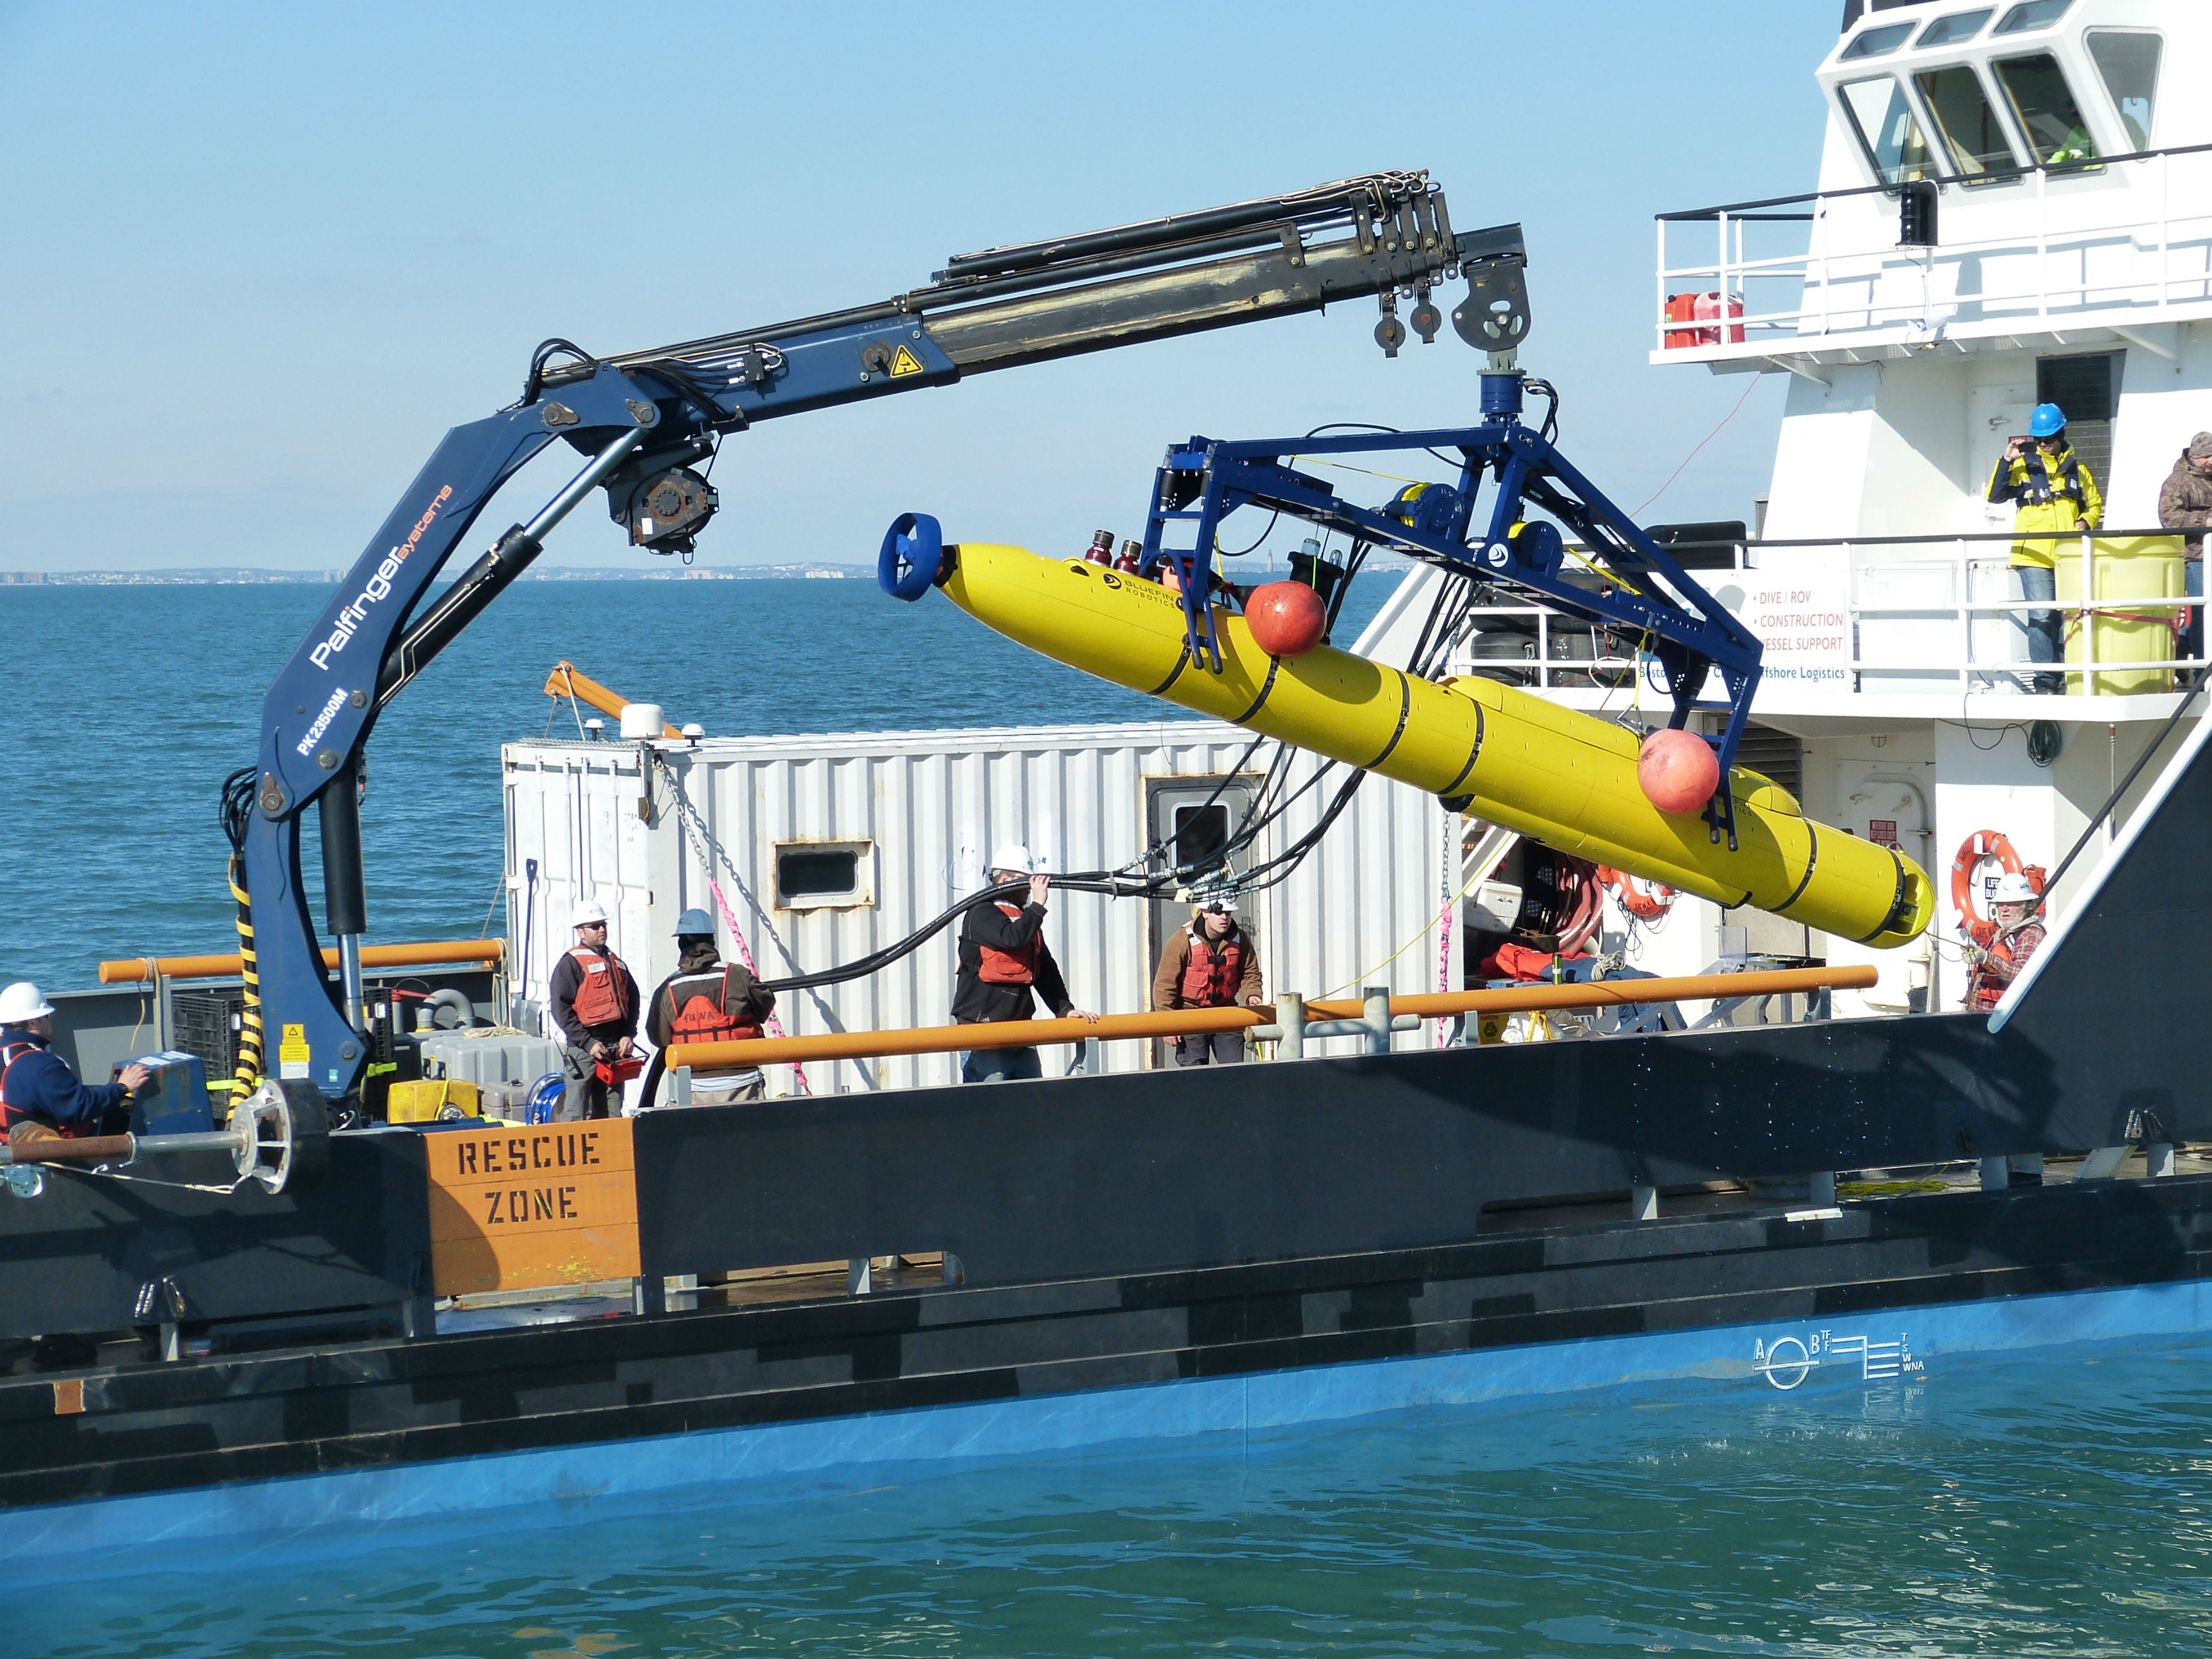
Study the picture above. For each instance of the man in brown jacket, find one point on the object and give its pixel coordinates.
(2184, 502)
(1209, 964)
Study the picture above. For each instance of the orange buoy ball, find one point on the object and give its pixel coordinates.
(1677, 771)
(1285, 619)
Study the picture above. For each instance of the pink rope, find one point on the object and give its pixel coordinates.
(771, 1024)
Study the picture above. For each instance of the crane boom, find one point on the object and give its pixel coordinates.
(645, 419)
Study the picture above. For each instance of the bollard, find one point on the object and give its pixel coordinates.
(1376, 1011)
(1291, 1016)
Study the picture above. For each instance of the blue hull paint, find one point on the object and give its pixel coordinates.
(318, 1515)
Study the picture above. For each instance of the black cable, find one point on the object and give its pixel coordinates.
(534, 382)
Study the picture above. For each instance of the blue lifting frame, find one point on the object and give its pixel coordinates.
(1688, 631)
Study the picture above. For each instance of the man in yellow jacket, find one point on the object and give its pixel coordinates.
(2052, 490)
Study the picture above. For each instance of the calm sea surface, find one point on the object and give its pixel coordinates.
(2003, 1507)
(128, 706)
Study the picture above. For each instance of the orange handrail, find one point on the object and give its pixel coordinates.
(449, 953)
(567, 680)
(1611, 993)
(1023, 1033)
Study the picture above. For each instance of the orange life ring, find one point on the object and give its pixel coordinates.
(1982, 845)
(1647, 901)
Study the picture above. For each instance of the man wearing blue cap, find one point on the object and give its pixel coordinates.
(706, 1000)
(2051, 490)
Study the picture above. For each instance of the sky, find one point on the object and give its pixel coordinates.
(258, 259)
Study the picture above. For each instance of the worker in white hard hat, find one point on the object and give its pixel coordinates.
(39, 1096)
(595, 1003)
(2013, 904)
(1004, 966)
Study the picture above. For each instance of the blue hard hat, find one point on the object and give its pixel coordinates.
(2048, 421)
(694, 921)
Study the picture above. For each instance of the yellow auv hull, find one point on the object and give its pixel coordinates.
(1563, 778)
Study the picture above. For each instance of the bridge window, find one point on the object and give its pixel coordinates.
(2049, 118)
(2031, 14)
(1962, 114)
(1888, 129)
(1874, 42)
(2129, 62)
(1949, 31)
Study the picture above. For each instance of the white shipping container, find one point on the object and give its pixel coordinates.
(826, 848)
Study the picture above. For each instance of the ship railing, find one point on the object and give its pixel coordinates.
(1289, 1023)
(1910, 614)
(2140, 250)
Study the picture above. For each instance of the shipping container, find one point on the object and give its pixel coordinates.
(825, 848)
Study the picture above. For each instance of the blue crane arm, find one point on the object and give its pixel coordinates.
(643, 420)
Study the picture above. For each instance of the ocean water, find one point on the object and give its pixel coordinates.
(2052, 1504)
(130, 704)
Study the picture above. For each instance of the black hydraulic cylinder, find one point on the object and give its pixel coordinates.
(345, 897)
(480, 584)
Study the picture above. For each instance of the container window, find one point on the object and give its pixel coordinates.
(1949, 31)
(1873, 43)
(812, 874)
(2030, 14)
(2049, 116)
(1888, 129)
(2129, 62)
(1200, 833)
(1963, 115)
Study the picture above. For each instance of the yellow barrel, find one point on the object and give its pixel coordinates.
(2127, 568)
(1558, 776)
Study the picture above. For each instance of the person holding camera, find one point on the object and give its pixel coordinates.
(2051, 491)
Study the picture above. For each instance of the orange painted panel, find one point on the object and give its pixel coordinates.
(517, 1209)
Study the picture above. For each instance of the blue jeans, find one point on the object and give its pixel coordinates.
(1000, 1066)
(2046, 640)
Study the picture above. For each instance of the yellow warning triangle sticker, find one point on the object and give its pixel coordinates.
(905, 362)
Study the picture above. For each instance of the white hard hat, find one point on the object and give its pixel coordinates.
(21, 1004)
(589, 911)
(1012, 855)
(2012, 888)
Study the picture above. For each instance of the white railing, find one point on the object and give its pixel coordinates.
(2131, 235)
(1949, 642)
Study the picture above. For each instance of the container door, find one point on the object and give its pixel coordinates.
(1189, 822)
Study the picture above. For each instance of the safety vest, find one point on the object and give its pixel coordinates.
(601, 999)
(1011, 967)
(1988, 992)
(699, 1010)
(10, 1115)
(1212, 978)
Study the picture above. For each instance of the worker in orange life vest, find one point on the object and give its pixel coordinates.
(595, 1004)
(2015, 942)
(1004, 966)
(1209, 964)
(707, 1001)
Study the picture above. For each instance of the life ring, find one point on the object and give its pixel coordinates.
(1973, 852)
(1647, 901)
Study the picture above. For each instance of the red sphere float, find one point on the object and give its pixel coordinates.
(1677, 771)
(1286, 618)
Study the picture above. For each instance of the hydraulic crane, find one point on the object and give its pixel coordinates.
(646, 420)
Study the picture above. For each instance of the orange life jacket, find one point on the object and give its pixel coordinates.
(10, 1116)
(699, 1010)
(602, 999)
(1988, 992)
(1211, 979)
(1009, 967)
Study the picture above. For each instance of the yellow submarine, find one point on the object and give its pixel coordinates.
(1563, 777)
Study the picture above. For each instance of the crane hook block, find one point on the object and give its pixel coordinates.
(913, 553)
